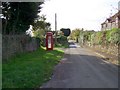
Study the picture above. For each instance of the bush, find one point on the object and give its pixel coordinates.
(62, 41)
(112, 36)
(101, 37)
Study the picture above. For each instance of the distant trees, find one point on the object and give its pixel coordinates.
(80, 34)
(66, 31)
(17, 16)
(75, 34)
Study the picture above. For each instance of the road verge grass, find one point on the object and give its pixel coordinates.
(30, 70)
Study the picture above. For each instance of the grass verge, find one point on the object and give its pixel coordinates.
(30, 70)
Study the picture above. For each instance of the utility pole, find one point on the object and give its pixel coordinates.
(119, 28)
(119, 14)
(55, 28)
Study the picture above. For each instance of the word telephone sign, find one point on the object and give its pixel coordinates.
(49, 41)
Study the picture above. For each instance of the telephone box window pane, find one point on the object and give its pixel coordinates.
(49, 42)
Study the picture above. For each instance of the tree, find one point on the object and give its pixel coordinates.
(66, 31)
(75, 34)
(19, 15)
(40, 23)
(40, 27)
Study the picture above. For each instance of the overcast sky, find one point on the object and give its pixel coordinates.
(87, 14)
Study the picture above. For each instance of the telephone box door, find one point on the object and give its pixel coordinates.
(49, 41)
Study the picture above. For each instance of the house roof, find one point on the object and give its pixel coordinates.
(103, 23)
(112, 18)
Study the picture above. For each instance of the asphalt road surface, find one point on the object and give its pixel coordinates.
(82, 68)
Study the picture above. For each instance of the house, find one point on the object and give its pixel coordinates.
(111, 22)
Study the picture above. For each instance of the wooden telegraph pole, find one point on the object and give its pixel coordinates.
(55, 28)
(119, 35)
(119, 14)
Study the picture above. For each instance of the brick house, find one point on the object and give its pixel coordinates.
(112, 22)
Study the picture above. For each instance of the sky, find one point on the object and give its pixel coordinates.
(87, 14)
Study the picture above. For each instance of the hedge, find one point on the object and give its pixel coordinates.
(101, 37)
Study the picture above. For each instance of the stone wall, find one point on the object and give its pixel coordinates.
(15, 44)
(110, 49)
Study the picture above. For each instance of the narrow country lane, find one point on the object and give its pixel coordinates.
(82, 68)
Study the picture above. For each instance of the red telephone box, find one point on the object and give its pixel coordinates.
(49, 41)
